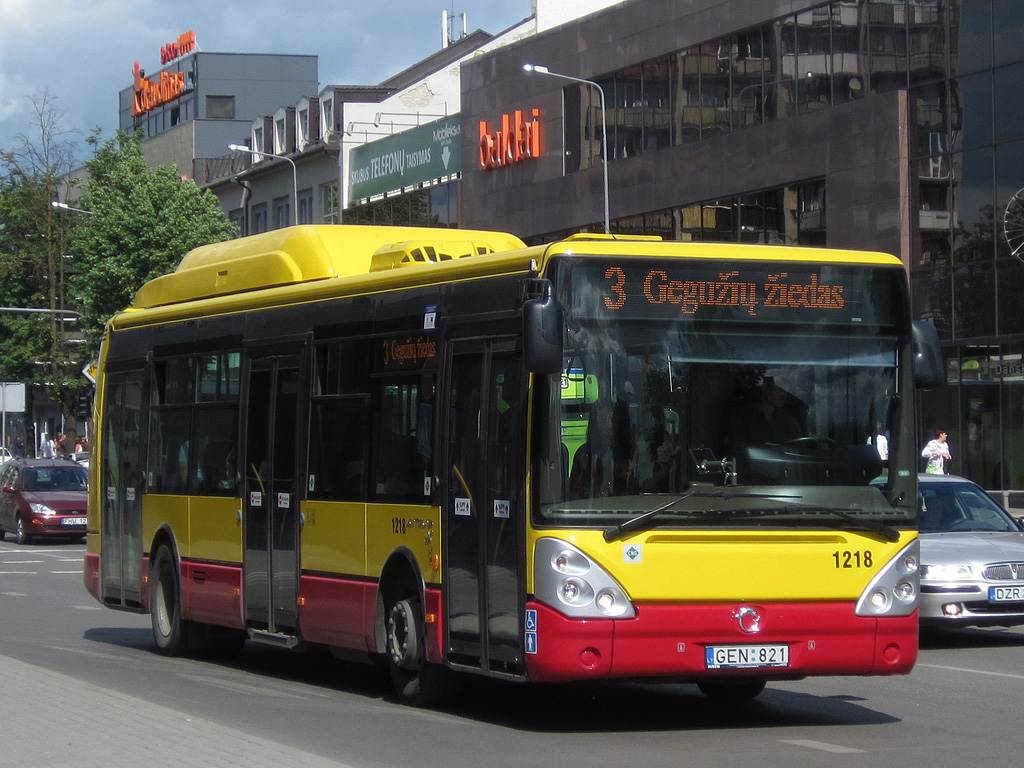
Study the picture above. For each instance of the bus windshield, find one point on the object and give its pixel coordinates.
(746, 413)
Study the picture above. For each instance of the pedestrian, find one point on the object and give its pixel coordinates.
(881, 442)
(937, 453)
(47, 448)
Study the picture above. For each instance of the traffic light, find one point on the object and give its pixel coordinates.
(84, 407)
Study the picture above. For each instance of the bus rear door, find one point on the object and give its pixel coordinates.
(122, 483)
(485, 506)
(271, 493)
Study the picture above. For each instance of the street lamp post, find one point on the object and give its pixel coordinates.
(58, 205)
(295, 171)
(542, 70)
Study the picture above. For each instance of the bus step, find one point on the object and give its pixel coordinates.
(274, 638)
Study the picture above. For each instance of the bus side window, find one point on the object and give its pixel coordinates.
(398, 464)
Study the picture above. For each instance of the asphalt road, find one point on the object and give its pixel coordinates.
(960, 706)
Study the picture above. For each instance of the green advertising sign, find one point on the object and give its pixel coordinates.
(414, 156)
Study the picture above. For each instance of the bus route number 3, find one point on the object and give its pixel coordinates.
(856, 559)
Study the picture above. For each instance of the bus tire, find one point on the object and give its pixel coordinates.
(416, 681)
(170, 631)
(740, 689)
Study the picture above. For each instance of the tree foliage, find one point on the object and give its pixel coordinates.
(143, 222)
(34, 241)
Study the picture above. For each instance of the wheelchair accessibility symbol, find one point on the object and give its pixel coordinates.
(531, 631)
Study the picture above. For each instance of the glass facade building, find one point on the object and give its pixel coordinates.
(891, 125)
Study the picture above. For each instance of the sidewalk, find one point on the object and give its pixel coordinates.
(50, 720)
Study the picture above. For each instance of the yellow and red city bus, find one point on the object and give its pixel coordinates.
(599, 458)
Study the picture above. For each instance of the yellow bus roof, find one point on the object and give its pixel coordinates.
(312, 252)
(314, 262)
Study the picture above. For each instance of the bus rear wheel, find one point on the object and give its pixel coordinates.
(417, 681)
(169, 629)
(741, 689)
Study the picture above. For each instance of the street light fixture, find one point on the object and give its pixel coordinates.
(295, 171)
(58, 205)
(542, 70)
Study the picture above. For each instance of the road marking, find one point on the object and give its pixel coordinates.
(973, 671)
(19, 573)
(87, 607)
(78, 571)
(823, 746)
(21, 562)
(15, 594)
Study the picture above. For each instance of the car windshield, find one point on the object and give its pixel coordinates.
(948, 507)
(38, 479)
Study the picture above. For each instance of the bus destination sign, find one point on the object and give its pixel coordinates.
(726, 289)
(779, 292)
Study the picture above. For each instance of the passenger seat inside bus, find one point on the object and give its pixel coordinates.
(215, 469)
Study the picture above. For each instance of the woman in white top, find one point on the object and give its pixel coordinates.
(937, 453)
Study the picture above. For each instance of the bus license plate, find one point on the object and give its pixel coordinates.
(746, 656)
(74, 521)
(1006, 594)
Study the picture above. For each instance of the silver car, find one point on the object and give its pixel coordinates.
(972, 556)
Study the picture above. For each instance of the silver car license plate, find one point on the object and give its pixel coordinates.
(1006, 594)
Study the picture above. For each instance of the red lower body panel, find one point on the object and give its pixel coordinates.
(91, 577)
(338, 612)
(212, 594)
(670, 642)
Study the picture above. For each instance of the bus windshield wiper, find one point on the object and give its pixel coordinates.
(619, 531)
(857, 523)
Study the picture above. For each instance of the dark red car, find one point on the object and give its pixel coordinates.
(42, 497)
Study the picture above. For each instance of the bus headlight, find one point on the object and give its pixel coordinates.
(894, 591)
(569, 581)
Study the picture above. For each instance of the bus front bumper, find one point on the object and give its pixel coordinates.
(687, 643)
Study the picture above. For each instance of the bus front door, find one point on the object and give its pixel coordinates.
(484, 583)
(271, 496)
(122, 484)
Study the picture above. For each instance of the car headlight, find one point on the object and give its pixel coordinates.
(946, 572)
(42, 509)
(894, 591)
(572, 583)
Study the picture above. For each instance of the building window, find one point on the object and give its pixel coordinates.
(306, 206)
(237, 217)
(220, 107)
(259, 218)
(329, 196)
(303, 116)
(282, 213)
(279, 136)
(327, 117)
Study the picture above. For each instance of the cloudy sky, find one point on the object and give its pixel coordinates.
(81, 52)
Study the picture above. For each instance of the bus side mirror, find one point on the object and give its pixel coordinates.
(928, 366)
(542, 331)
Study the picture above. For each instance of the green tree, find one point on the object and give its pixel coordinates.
(35, 331)
(144, 220)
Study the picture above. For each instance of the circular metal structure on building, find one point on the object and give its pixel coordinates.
(1013, 224)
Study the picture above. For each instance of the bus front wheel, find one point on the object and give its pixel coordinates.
(740, 689)
(416, 680)
(169, 629)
